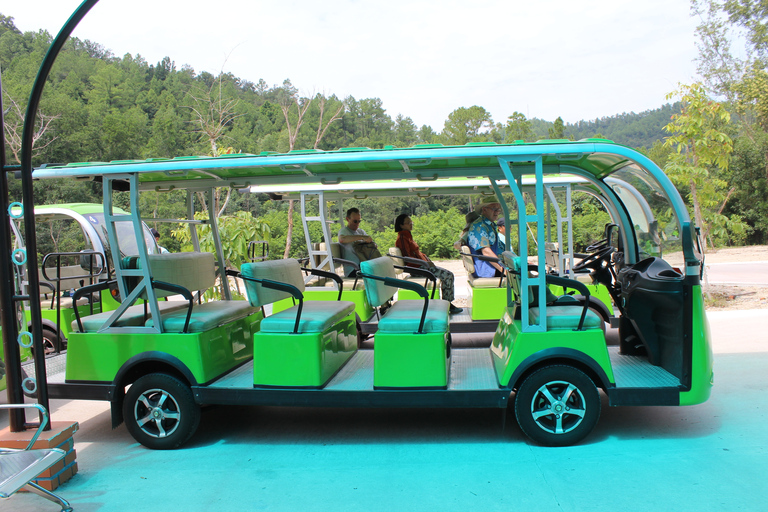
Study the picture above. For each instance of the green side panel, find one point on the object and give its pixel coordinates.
(108, 302)
(702, 361)
(410, 360)
(511, 346)
(362, 306)
(598, 291)
(488, 303)
(98, 356)
(303, 360)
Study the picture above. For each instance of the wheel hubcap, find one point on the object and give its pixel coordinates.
(157, 413)
(558, 407)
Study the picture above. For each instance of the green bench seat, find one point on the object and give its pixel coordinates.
(302, 346)
(411, 348)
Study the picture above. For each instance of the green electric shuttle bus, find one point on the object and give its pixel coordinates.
(163, 352)
(158, 361)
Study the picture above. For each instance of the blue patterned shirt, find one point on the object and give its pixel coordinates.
(483, 233)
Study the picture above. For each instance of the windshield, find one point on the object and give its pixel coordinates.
(657, 227)
(128, 245)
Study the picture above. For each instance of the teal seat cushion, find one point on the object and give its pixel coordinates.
(405, 315)
(206, 316)
(316, 316)
(566, 317)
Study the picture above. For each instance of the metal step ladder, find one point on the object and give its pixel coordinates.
(318, 258)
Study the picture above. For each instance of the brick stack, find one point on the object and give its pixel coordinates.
(60, 436)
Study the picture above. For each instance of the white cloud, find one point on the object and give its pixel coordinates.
(578, 60)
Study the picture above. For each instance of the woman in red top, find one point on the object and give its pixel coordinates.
(410, 249)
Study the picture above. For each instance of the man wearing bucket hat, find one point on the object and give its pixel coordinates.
(484, 237)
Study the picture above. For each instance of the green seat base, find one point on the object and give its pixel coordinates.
(411, 360)
(307, 360)
(488, 303)
(98, 357)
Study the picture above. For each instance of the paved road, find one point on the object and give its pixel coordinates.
(709, 457)
(752, 273)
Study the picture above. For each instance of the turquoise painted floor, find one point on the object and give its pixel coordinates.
(708, 457)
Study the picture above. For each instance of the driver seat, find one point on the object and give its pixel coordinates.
(563, 312)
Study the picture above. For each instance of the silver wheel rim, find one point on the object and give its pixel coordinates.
(157, 413)
(558, 407)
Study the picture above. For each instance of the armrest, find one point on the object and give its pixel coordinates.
(330, 275)
(408, 259)
(423, 273)
(576, 285)
(283, 287)
(43, 421)
(406, 285)
(91, 288)
(181, 291)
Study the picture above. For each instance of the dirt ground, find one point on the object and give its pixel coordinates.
(721, 297)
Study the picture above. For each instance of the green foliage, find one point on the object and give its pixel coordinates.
(701, 159)
(518, 128)
(236, 232)
(435, 232)
(465, 124)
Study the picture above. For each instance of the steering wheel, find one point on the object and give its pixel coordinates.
(597, 246)
(595, 259)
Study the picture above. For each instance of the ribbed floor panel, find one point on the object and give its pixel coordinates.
(471, 369)
(637, 372)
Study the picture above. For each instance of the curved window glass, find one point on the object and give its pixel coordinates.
(656, 224)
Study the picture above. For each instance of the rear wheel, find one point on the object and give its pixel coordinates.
(51, 340)
(160, 411)
(557, 405)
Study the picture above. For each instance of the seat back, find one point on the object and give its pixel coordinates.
(195, 271)
(286, 271)
(552, 255)
(377, 291)
(466, 258)
(395, 251)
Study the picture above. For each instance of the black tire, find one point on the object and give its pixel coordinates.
(557, 405)
(50, 341)
(160, 411)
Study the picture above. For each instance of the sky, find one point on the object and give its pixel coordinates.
(423, 58)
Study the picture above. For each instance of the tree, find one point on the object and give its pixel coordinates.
(519, 128)
(465, 124)
(702, 156)
(14, 125)
(557, 131)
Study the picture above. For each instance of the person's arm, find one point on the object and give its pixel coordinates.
(348, 239)
(487, 251)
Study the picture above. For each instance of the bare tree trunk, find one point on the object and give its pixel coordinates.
(322, 129)
(289, 234)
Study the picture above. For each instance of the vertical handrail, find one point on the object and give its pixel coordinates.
(10, 329)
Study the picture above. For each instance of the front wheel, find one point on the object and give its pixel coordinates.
(160, 411)
(557, 405)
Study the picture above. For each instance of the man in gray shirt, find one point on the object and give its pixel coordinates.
(351, 234)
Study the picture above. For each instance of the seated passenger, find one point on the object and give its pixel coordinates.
(355, 242)
(469, 219)
(410, 249)
(483, 238)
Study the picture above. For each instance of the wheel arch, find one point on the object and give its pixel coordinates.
(554, 356)
(145, 364)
